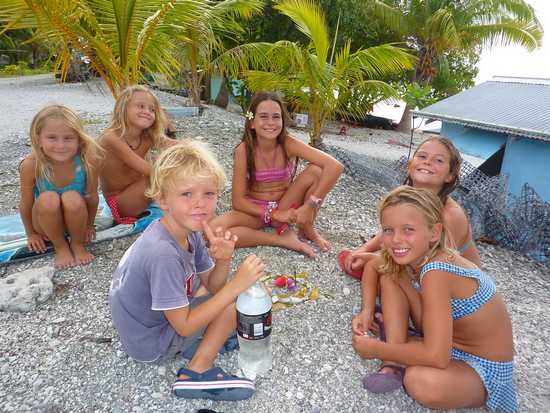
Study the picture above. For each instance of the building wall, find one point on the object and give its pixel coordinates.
(475, 142)
(525, 161)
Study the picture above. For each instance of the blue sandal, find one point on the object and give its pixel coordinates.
(231, 344)
(213, 384)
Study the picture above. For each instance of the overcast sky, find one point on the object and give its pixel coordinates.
(515, 61)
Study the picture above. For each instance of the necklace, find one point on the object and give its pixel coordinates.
(273, 161)
(132, 147)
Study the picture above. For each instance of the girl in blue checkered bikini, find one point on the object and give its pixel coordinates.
(464, 354)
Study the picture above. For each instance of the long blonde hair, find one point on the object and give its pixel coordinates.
(431, 207)
(89, 150)
(188, 159)
(119, 120)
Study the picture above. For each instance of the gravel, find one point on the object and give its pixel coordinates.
(66, 356)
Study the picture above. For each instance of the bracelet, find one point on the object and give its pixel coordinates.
(269, 208)
(314, 202)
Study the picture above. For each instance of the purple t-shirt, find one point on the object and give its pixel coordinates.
(155, 274)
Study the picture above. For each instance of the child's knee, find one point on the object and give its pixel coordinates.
(421, 385)
(48, 201)
(386, 281)
(72, 201)
(314, 172)
(229, 316)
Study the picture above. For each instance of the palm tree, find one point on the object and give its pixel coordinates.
(125, 40)
(315, 77)
(202, 40)
(433, 27)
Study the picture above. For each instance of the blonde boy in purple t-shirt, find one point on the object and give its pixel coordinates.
(152, 296)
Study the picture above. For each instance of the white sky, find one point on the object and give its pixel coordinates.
(516, 61)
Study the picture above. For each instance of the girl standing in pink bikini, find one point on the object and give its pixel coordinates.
(265, 190)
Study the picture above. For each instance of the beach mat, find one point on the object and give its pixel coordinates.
(13, 240)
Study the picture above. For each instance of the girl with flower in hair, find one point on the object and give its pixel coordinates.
(266, 191)
(136, 131)
(59, 186)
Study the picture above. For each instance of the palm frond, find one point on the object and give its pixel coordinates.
(380, 61)
(310, 20)
(392, 17)
(507, 32)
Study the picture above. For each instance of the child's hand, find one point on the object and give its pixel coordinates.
(365, 346)
(89, 236)
(221, 245)
(286, 215)
(356, 260)
(36, 243)
(362, 322)
(250, 271)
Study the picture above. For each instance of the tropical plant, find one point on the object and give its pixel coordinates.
(315, 77)
(124, 40)
(433, 27)
(204, 39)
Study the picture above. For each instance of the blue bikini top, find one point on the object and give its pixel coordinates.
(78, 184)
(461, 307)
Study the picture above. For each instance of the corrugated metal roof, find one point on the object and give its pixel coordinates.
(515, 106)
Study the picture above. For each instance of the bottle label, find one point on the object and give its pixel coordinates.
(254, 327)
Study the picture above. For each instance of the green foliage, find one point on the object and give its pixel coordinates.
(20, 45)
(456, 72)
(447, 35)
(313, 76)
(417, 96)
(357, 24)
(435, 27)
(123, 39)
(207, 38)
(272, 27)
(22, 68)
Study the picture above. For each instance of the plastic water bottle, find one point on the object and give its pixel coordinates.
(254, 331)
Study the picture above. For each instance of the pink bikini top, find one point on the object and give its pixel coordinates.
(275, 174)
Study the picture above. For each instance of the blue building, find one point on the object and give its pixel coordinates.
(507, 122)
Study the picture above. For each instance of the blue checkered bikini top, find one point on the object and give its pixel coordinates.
(461, 307)
(78, 184)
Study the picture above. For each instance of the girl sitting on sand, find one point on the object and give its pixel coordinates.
(136, 131)
(59, 186)
(464, 357)
(435, 165)
(265, 189)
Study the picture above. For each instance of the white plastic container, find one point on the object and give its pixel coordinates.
(254, 331)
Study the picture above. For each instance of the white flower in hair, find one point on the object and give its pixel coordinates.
(249, 115)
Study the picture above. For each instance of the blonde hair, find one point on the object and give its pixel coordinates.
(187, 159)
(430, 206)
(88, 148)
(119, 121)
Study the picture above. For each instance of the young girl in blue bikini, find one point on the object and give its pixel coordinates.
(59, 186)
(464, 355)
(435, 165)
(265, 191)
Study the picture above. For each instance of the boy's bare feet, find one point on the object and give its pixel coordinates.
(63, 258)
(81, 254)
(311, 234)
(293, 242)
